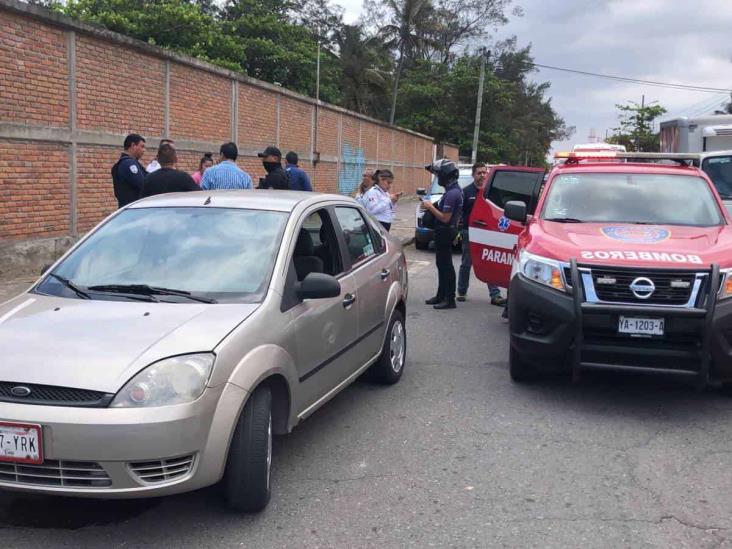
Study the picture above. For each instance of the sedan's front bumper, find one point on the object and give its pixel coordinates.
(125, 452)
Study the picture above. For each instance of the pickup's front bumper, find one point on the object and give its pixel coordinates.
(563, 331)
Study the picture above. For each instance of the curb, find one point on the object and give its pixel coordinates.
(408, 241)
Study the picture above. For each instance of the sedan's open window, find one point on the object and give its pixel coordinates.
(316, 249)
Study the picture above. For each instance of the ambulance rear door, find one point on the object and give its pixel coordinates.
(493, 237)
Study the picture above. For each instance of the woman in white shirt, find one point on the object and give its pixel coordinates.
(380, 202)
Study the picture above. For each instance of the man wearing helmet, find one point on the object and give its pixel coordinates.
(447, 215)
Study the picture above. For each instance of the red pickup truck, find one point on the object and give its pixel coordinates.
(616, 265)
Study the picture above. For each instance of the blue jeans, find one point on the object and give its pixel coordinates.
(465, 266)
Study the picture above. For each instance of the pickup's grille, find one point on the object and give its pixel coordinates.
(672, 287)
(162, 470)
(50, 395)
(76, 474)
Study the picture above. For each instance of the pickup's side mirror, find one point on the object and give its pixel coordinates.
(515, 210)
(421, 191)
(318, 286)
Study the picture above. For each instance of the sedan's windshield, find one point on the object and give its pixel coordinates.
(719, 170)
(464, 180)
(176, 255)
(653, 199)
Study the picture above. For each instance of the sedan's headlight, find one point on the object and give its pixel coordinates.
(542, 270)
(174, 380)
(725, 290)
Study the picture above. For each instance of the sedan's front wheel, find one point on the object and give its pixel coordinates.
(390, 365)
(247, 477)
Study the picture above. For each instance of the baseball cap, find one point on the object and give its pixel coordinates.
(270, 151)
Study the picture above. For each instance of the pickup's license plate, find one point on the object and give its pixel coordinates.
(20, 443)
(640, 326)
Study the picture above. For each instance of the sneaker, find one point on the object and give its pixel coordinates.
(461, 297)
(498, 300)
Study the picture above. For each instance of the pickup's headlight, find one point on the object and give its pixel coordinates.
(725, 290)
(174, 380)
(541, 269)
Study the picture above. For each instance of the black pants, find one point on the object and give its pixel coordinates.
(444, 238)
(386, 225)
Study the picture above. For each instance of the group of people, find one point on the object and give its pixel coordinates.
(451, 214)
(133, 181)
(374, 194)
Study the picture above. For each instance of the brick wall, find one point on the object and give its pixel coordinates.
(69, 93)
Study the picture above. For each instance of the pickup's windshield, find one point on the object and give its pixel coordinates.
(655, 199)
(209, 254)
(719, 170)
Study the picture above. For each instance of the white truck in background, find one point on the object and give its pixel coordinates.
(711, 138)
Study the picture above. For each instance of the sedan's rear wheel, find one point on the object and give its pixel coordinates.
(248, 468)
(390, 365)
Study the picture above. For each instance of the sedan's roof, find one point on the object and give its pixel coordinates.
(279, 201)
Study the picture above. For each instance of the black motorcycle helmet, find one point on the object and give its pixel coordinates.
(445, 170)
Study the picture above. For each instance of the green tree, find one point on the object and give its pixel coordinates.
(364, 71)
(637, 130)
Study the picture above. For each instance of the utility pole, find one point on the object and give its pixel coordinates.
(479, 107)
(315, 154)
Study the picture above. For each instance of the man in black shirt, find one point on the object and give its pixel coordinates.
(470, 195)
(277, 177)
(167, 179)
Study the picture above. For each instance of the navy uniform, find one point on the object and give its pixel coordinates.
(128, 177)
(445, 233)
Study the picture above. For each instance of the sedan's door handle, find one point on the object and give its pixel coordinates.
(349, 300)
(385, 274)
(480, 223)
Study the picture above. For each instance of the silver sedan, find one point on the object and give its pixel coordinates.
(161, 353)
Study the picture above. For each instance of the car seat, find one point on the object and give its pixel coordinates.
(304, 258)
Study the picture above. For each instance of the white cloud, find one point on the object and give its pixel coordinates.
(679, 41)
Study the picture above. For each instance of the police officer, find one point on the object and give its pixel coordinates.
(276, 177)
(128, 175)
(447, 215)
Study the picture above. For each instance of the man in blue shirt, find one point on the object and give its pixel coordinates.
(226, 174)
(299, 180)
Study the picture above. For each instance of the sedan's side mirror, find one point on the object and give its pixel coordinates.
(421, 191)
(515, 210)
(318, 286)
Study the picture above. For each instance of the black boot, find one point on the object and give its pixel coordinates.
(448, 303)
(434, 300)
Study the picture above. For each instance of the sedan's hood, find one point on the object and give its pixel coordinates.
(99, 345)
(651, 245)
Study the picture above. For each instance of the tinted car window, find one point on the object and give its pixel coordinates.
(507, 186)
(719, 170)
(219, 253)
(358, 238)
(632, 198)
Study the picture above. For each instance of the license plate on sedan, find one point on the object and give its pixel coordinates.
(20, 443)
(640, 326)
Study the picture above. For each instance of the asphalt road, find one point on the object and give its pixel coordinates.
(454, 455)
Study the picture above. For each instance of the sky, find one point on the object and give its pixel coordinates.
(678, 41)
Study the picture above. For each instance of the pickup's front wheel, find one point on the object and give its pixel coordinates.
(520, 371)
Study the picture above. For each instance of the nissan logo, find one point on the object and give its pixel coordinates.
(642, 287)
(20, 391)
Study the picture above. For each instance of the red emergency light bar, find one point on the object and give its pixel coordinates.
(574, 157)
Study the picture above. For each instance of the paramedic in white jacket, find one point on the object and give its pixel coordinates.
(380, 201)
